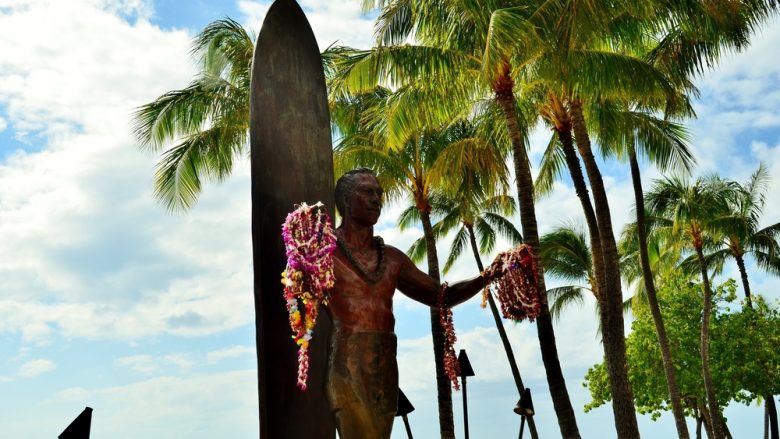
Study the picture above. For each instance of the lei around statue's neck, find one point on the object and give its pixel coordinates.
(356, 236)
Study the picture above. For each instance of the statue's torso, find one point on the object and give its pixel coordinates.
(357, 305)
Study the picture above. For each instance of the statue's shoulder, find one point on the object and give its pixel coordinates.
(392, 253)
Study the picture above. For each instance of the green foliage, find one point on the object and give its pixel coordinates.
(745, 350)
(566, 255)
(201, 129)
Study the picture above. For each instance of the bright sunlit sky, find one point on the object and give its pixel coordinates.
(108, 301)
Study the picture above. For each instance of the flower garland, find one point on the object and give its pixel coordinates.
(515, 277)
(309, 243)
(451, 365)
(516, 282)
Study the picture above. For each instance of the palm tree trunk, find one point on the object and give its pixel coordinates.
(510, 356)
(525, 189)
(446, 421)
(709, 388)
(745, 282)
(611, 313)
(575, 171)
(652, 299)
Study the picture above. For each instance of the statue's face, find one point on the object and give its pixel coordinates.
(365, 204)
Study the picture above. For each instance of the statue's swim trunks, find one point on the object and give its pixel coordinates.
(362, 384)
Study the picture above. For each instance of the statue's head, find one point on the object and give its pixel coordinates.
(359, 195)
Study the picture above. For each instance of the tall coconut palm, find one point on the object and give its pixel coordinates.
(460, 50)
(578, 65)
(695, 35)
(663, 142)
(366, 123)
(691, 212)
(209, 119)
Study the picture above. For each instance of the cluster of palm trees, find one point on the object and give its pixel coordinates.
(694, 228)
(449, 95)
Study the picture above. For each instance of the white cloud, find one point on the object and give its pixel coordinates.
(739, 101)
(84, 250)
(72, 394)
(141, 9)
(335, 21)
(144, 364)
(229, 352)
(175, 407)
(3, 124)
(85, 66)
(33, 368)
(183, 362)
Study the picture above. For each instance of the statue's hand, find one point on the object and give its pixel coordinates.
(496, 269)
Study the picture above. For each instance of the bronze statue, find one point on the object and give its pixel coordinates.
(362, 377)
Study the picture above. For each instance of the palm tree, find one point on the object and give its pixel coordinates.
(691, 211)
(742, 236)
(567, 256)
(209, 118)
(663, 142)
(365, 123)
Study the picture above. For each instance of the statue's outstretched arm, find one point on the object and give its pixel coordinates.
(423, 288)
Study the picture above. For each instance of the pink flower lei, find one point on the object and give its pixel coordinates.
(309, 243)
(516, 282)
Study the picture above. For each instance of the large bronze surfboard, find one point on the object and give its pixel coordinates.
(292, 162)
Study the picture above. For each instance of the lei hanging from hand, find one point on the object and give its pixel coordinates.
(516, 279)
(451, 365)
(516, 282)
(309, 243)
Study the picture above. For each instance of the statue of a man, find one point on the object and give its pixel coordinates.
(362, 380)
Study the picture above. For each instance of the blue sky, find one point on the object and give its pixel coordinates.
(108, 301)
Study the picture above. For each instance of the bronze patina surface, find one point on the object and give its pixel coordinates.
(362, 373)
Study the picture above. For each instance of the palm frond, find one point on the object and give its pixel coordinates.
(504, 227)
(553, 164)
(565, 297)
(417, 251)
(459, 243)
(510, 35)
(565, 254)
(408, 218)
